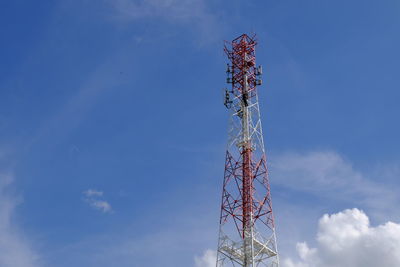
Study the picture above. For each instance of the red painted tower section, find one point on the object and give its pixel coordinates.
(247, 232)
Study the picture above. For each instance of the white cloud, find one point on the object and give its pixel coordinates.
(15, 250)
(102, 205)
(93, 197)
(347, 239)
(93, 193)
(208, 259)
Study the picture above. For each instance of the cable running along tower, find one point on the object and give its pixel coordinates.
(247, 232)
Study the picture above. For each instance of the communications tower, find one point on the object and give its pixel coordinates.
(247, 232)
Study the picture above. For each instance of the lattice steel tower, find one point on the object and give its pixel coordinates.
(247, 232)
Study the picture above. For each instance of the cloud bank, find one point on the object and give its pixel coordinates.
(346, 239)
(15, 250)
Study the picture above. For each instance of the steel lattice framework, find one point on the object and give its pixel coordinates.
(247, 231)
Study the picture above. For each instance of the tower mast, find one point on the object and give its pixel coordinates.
(247, 231)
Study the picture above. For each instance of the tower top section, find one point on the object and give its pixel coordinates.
(242, 71)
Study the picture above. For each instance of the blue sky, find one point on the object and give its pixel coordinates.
(113, 130)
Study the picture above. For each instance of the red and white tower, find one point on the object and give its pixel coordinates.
(247, 231)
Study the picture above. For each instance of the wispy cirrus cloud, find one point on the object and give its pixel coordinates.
(95, 199)
(329, 175)
(169, 9)
(193, 14)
